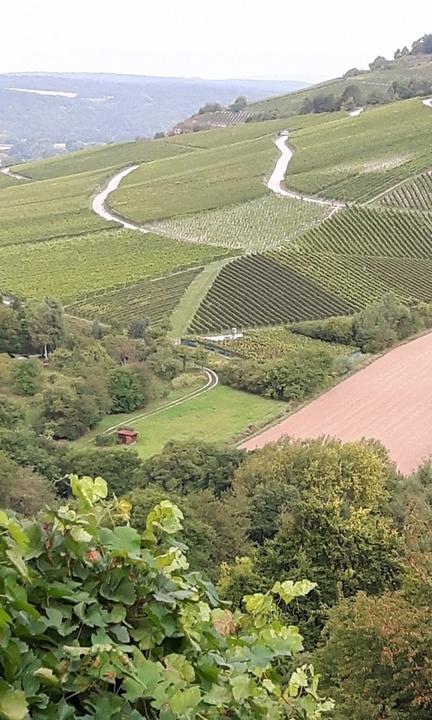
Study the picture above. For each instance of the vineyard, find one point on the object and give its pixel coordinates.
(151, 299)
(346, 262)
(278, 342)
(357, 160)
(258, 225)
(364, 231)
(34, 211)
(257, 290)
(101, 158)
(413, 195)
(196, 181)
(74, 266)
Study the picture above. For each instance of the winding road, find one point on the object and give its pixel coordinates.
(278, 176)
(99, 200)
(212, 382)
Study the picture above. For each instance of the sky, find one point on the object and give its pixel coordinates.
(307, 40)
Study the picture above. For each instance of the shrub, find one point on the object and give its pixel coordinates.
(99, 621)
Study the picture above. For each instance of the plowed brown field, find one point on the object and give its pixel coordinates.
(390, 400)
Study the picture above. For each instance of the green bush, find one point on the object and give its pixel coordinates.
(99, 622)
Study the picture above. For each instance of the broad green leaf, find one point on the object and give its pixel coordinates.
(289, 641)
(184, 701)
(218, 695)
(80, 535)
(17, 533)
(13, 704)
(4, 520)
(181, 665)
(100, 488)
(147, 676)
(124, 540)
(15, 557)
(47, 677)
(290, 590)
(242, 687)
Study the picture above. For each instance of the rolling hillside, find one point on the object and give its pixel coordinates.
(203, 202)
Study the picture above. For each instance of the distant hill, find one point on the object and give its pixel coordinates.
(41, 114)
(398, 79)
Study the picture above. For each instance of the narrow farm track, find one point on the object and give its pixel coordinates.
(278, 176)
(99, 201)
(8, 172)
(388, 400)
(212, 382)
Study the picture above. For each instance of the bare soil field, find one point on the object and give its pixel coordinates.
(390, 400)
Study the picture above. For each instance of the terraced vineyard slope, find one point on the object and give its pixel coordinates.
(337, 268)
(415, 194)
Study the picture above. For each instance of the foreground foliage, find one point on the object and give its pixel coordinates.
(99, 621)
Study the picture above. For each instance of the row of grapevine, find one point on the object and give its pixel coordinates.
(151, 299)
(257, 290)
(258, 225)
(277, 342)
(354, 258)
(373, 232)
(413, 195)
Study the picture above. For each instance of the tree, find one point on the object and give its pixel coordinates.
(423, 46)
(186, 466)
(239, 104)
(45, 325)
(117, 466)
(11, 413)
(380, 63)
(139, 329)
(9, 330)
(69, 408)
(127, 390)
(27, 377)
(100, 621)
(376, 656)
(320, 505)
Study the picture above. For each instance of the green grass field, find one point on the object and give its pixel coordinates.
(218, 416)
(74, 266)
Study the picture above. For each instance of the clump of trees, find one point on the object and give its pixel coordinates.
(377, 327)
(350, 98)
(294, 377)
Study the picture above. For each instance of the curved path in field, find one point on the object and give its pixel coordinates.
(389, 400)
(99, 200)
(7, 171)
(212, 381)
(278, 176)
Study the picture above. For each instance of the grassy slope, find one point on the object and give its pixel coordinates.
(378, 82)
(218, 416)
(108, 156)
(356, 158)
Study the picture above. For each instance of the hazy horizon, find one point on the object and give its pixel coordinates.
(308, 42)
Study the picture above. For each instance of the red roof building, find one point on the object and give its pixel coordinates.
(126, 436)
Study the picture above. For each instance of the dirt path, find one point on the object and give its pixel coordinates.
(7, 171)
(212, 382)
(389, 400)
(278, 176)
(98, 202)
(428, 102)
